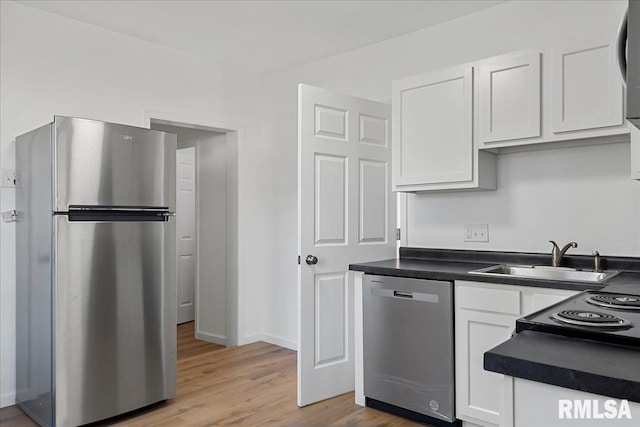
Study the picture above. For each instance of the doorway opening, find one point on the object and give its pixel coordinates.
(206, 229)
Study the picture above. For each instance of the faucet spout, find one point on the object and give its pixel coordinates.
(557, 253)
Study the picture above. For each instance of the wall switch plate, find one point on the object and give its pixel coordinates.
(9, 178)
(10, 216)
(476, 232)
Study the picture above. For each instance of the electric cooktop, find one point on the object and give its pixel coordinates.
(598, 316)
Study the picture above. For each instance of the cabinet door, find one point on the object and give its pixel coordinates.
(635, 152)
(542, 300)
(586, 86)
(432, 127)
(479, 393)
(510, 97)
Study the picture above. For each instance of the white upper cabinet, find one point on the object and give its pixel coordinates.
(433, 145)
(635, 152)
(568, 91)
(509, 98)
(586, 86)
(433, 123)
(449, 124)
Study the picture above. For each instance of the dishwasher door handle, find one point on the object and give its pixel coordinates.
(408, 295)
(402, 294)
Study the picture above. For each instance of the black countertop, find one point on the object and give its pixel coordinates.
(605, 369)
(435, 264)
(590, 366)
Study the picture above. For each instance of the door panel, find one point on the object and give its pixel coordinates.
(374, 130)
(106, 164)
(330, 204)
(331, 296)
(186, 228)
(346, 215)
(374, 199)
(115, 317)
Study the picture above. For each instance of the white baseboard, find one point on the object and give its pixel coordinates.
(279, 341)
(7, 399)
(250, 339)
(214, 338)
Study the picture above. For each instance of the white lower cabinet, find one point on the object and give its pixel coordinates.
(485, 316)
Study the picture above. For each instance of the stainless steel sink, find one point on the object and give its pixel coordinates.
(545, 273)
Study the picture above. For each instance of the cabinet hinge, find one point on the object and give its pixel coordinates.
(397, 234)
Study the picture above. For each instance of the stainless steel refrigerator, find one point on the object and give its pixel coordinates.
(96, 270)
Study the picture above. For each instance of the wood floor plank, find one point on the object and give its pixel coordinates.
(188, 346)
(252, 385)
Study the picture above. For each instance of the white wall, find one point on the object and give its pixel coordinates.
(368, 72)
(211, 190)
(53, 65)
(581, 194)
(212, 218)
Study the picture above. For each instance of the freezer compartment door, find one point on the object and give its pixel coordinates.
(106, 164)
(115, 320)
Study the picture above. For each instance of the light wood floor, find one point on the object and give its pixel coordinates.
(188, 346)
(252, 385)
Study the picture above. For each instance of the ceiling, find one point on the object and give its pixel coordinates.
(263, 36)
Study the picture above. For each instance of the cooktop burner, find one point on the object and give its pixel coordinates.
(580, 316)
(623, 302)
(591, 318)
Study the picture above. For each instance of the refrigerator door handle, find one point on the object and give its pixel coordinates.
(116, 216)
(73, 208)
(621, 46)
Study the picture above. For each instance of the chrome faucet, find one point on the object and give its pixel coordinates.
(597, 262)
(557, 253)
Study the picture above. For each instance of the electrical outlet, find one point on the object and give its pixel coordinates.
(9, 178)
(476, 232)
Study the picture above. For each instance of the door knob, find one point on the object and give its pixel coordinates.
(311, 260)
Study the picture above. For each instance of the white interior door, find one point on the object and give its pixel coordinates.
(186, 232)
(346, 214)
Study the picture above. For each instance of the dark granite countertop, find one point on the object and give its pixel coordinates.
(601, 368)
(438, 264)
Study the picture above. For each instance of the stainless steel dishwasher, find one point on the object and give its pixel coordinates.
(408, 347)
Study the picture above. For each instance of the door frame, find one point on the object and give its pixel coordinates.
(235, 324)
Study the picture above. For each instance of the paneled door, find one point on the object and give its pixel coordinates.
(186, 232)
(346, 214)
